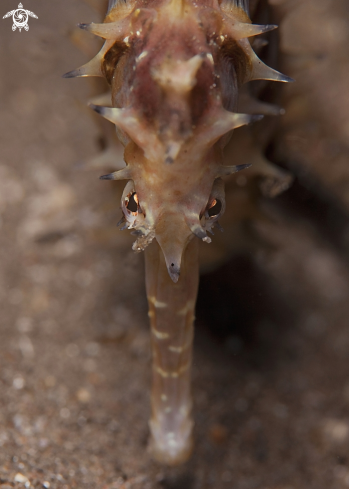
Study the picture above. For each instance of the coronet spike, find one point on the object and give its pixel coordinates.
(243, 30)
(109, 113)
(126, 119)
(226, 121)
(231, 120)
(229, 170)
(124, 174)
(261, 71)
(110, 30)
(92, 68)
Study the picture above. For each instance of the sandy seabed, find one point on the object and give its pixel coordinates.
(271, 370)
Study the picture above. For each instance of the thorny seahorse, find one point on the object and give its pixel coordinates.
(175, 68)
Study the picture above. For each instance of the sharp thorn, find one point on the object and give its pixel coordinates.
(121, 221)
(129, 121)
(242, 167)
(256, 118)
(89, 69)
(97, 108)
(71, 74)
(229, 170)
(108, 30)
(123, 174)
(242, 30)
(225, 122)
(107, 177)
(219, 227)
(261, 71)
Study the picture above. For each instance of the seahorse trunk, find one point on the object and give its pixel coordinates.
(171, 312)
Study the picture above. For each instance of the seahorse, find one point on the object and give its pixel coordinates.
(175, 68)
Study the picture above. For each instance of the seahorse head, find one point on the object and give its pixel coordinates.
(174, 71)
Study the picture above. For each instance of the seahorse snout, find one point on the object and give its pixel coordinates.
(173, 234)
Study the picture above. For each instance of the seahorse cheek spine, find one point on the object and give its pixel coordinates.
(175, 68)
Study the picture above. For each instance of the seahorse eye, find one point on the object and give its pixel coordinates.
(214, 208)
(132, 203)
(131, 207)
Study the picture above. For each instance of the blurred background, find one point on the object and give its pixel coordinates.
(271, 370)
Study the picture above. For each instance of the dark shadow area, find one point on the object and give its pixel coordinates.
(182, 481)
(242, 308)
(309, 200)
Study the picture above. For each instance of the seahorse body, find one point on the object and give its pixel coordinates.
(175, 68)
